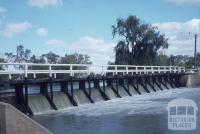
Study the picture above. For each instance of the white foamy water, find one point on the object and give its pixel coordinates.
(148, 103)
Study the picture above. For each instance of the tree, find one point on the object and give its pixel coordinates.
(139, 42)
(34, 59)
(22, 55)
(75, 59)
(161, 60)
(51, 58)
(2, 60)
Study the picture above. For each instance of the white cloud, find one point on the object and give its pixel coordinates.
(42, 32)
(16, 28)
(55, 43)
(181, 2)
(181, 35)
(100, 51)
(44, 3)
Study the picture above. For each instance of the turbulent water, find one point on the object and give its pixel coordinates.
(138, 114)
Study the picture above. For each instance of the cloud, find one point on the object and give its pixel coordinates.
(2, 14)
(100, 51)
(181, 35)
(16, 28)
(44, 3)
(55, 43)
(42, 32)
(183, 2)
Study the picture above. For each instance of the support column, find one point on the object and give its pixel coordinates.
(51, 88)
(19, 93)
(89, 86)
(104, 86)
(44, 88)
(26, 93)
(72, 87)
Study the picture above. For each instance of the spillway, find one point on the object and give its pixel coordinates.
(150, 88)
(163, 87)
(122, 91)
(169, 86)
(96, 96)
(156, 87)
(80, 97)
(132, 90)
(39, 104)
(109, 92)
(61, 100)
(141, 89)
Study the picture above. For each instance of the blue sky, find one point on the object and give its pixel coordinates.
(84, 26)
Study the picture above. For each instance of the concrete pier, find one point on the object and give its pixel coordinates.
(13, 121)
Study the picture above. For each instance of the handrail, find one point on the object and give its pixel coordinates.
(87, 69)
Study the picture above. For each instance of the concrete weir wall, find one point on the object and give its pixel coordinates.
(193, 80)
(13, 121)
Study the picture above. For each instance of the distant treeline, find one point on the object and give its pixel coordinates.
(24, 55)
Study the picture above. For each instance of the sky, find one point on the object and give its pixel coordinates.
(84, 26)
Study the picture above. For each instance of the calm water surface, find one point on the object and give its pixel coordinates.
(139, 114)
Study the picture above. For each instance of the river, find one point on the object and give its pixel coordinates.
(139, 114)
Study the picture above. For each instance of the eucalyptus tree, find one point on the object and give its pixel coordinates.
(139, 42)
(22, 55)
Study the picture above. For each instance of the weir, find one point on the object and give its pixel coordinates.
(83, 84)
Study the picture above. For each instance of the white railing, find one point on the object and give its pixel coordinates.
(193, 70)
(53, 69)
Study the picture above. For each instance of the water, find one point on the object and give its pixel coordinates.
(122, 91)
(96, 96)
(141, 89)
(138, 114)
(109, 92)
(39, 104)
(80, 97)
(61, 100)
(149, 88)
(132, 90)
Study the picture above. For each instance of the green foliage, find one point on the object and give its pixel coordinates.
(139, 42)
(34, 59)
(75, 59)
(51, 57)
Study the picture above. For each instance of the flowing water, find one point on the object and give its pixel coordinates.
(96, 96)
(109, 92)
(80, 97)
(141, 89)
(132, 90)
(122, 91)
(138, 114)
(39, 104)
(61, 100)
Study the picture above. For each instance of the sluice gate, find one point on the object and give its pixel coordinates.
(81, 84)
